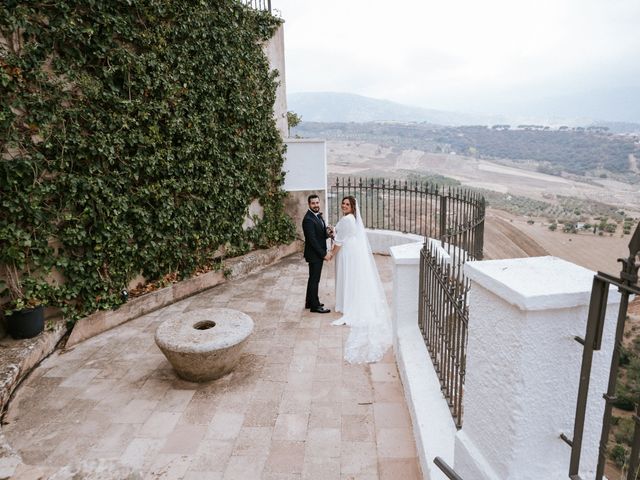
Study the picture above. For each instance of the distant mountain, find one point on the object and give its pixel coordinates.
(597, 108)
(604, 105)
(348, 107)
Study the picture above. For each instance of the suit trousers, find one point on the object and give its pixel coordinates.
(315, 270)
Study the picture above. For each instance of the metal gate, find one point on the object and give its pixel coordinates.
(627, 284)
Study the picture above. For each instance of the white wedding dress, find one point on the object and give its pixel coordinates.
(359, 294)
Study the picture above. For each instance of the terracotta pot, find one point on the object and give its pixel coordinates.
(26, 323)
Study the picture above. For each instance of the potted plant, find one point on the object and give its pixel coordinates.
(24, 312)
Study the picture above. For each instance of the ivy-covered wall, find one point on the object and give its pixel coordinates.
(134, 135)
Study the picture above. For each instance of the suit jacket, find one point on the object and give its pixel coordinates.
(315, 238)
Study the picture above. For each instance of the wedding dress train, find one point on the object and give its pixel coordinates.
(359, 294)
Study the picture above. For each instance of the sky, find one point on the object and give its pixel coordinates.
(488, 56)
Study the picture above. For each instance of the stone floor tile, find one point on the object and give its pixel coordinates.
(394, 415)
(291, 426)
(184, 439)
(321, 468)
(175, 401)
(329, 355)
(153, 388)
(323, 392)
(212, 455)
(80, 378)
(358, 428)
(285, 457)
(303, 363)
(140, 453)
(274, 372)
(225, 425)
(395, 443)
(169, 467)
(198, 412)
(254, 441)
(137, 410)
(97, 389)
(242, 467)
(388, 392)
(159, 424)
(113, 440)
(323, 442)
(268, 391)
(202, 475)
(399, 468)
(325, 415)
(384, 372)
(280, 476)
(261, 414)
(330, 372)
(66, 452)
(358, 459)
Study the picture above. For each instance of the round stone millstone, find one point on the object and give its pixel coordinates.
(204, 344)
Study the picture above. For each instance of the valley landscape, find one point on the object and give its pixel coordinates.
(583, 205)
(517, 196)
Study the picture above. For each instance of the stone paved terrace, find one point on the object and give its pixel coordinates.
(293, 409)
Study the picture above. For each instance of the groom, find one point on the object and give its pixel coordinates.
(315, 252)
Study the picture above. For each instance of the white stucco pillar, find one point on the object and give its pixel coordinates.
(523, 369)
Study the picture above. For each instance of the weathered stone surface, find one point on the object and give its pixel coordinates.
(18, 357)
(9, 458)
(100, 469)
(204, 344)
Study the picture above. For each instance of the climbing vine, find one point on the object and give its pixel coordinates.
(134, 134)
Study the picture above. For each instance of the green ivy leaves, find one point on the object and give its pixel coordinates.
(133, 136)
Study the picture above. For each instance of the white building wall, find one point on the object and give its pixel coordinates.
(274, 49)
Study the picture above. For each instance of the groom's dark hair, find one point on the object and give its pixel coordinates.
(311, 197)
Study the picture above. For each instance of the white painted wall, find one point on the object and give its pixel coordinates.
(523, 369)
(305, 165)
(274, 50)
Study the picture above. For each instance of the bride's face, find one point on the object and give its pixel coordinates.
(346, 207)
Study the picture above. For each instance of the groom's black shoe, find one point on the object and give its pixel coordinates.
(307, 305)
(320, 309)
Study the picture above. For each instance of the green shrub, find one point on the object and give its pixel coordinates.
(134, 138)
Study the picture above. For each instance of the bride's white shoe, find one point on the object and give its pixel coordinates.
(338, 322)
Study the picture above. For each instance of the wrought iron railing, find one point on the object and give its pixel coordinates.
(452, 221)
(628, 284)
(259, 4)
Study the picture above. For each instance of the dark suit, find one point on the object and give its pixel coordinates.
(315, 249)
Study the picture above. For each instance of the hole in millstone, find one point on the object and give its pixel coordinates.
(204, 325)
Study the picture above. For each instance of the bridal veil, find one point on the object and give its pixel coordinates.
(359, 294)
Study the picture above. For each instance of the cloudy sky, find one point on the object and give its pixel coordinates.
(488, 56)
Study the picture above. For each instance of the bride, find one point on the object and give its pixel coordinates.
(360, 296)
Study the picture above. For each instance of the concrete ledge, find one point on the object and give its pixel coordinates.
(107, 319)
(382, 240)
(433, 427)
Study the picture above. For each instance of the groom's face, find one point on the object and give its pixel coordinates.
(314, 205)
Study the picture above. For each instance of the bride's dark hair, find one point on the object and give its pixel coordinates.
(352, 203)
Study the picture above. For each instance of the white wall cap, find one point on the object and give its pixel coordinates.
(536, 283)
(303, 140)
(407, 254)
